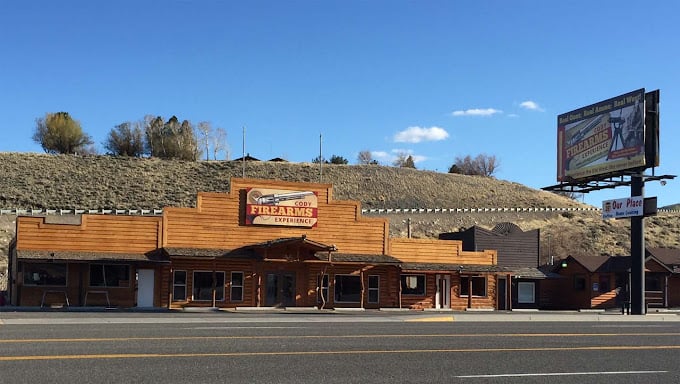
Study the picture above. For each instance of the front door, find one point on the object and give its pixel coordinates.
(145, 286)
(502, 294)
(443, 295)
(280, 289)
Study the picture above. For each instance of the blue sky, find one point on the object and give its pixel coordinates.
(436, 79)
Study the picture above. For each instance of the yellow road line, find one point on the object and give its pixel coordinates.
(343, 352)
(467, 335)
(431, 319)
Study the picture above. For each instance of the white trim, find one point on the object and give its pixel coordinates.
(377, 289)
(186, 276)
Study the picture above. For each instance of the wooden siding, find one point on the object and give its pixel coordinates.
(78, 288)
(217, 222)
(437, 251)
(97, 233)
(514, 249)
(191, 265)
(460, 303)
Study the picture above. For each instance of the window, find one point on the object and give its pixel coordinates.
(53, 274)
(654, 282)
(413, 285)
(478, 286)
(526, 292)
(373, 288)
(109, 275)
(236, 293)
(203, 286)
(579, 282)
(347, 288)
(179, 286)
(604, 284)
(323, 291)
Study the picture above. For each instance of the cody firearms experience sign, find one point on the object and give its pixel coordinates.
(602, 139)
(281, 207)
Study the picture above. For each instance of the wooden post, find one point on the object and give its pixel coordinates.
(214, 284)
(363, 287)
(469, 303)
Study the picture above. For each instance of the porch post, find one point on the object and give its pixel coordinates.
(469, 303)
(508, 292)
(214, 284)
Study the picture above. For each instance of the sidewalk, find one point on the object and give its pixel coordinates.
(80, 315)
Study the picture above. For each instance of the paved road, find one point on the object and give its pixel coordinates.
(348, 348)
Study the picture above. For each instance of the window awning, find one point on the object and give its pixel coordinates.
(77, 256)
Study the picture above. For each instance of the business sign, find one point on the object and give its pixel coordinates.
(602, 139)
(620, 208)
(281, 207)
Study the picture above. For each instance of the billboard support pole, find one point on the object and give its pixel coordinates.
(637, 252)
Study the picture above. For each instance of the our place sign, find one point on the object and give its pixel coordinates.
(620, 208)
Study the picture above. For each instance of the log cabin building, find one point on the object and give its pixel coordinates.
(602, 282)
(265, 243)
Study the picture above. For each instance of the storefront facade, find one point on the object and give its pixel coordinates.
(266, 243)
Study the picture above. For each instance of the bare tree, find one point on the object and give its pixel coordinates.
(204, 133)
(125, 139)
(219, 142)
(482, 165)
(404, 160)
(365, 157)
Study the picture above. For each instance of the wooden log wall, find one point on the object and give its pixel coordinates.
(98, 233)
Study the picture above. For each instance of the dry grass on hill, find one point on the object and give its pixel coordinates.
(35, 181)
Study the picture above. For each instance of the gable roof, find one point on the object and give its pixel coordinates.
(668, 256)
(603, 263)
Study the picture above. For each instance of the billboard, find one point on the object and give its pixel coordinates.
(603, 139)
(266, 206)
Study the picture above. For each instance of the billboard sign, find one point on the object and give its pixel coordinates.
(266, 206)
(620, 208)
(602, 139)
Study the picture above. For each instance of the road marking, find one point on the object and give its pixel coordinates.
(561, 374)
(318, 353)
(499, 335)
(229, 327)
(430, 319)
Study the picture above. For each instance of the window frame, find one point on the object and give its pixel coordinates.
(217, 286)
(105, 283)
(232, 285)
(43, 265)
(580, 282)
(375, 289)
(418, 276)
(474, 286)
(520, 298)
(176, 285)
(337, 298)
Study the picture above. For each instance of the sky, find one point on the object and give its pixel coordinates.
(437, 80)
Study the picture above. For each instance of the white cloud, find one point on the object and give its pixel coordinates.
(531, 105)
(380, 155)
(477, 112)
(418, 134)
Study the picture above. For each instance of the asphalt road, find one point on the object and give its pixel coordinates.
(202, 348)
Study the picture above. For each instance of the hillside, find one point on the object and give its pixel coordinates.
(36, 181)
